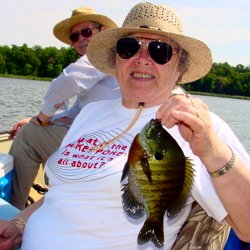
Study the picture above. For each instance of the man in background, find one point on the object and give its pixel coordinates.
(42, 134)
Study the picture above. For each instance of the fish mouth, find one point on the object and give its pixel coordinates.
(154, 128)
(155, 123)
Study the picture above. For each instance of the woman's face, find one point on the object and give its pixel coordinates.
(141, 79)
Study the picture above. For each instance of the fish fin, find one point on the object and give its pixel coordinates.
(131, 206)
(152, 230)
(179, 203)
(125, 171)
(145, 167)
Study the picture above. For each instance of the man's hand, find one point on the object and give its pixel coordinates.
(18, 126)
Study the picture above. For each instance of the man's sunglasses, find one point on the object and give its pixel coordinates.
(160, 52)
(74, 37)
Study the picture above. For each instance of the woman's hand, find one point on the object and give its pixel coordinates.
(10, 235)
(191, 115)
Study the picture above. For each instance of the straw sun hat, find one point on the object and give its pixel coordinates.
(161, 20)
(79, 15)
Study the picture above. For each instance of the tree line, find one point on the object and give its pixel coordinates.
(36, 61)
(224, 79)
(50, 61)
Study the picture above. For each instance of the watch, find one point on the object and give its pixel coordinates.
(43, 123)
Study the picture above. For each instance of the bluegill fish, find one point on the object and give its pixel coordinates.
(160, 178)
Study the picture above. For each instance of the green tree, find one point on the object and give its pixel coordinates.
(2, 63)
(50, 61)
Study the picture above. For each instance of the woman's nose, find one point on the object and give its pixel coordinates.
(143, 55)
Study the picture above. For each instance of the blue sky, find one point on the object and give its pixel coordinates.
(224, 25)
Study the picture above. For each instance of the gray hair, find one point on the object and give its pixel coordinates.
(183, 62)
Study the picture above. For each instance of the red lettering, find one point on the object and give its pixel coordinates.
(78, 146)
(85, 148)
(99, 150)
(89, 165)
(106, 152)
(80, 140)
(60, 161)
(92, 141)
(84, 165)
(70, 145)
(119, 147)
(78, 164)
(66, 152)
(119, 153)
(101, 164)
(92, 165)
(112, 153)
(102, 158)
(89, 157)
(95, 141)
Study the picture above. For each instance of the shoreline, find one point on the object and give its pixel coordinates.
(27, 77)
(219, 95)
(191, 92)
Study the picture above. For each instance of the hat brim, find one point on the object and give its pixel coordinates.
(62, 29)
(101, 51)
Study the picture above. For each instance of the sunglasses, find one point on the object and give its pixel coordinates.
(160, 52)
(74, 37)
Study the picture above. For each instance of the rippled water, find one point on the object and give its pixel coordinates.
(19, 99)
(235, 112)
(23, 98)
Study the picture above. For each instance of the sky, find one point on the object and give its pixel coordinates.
(224, 25)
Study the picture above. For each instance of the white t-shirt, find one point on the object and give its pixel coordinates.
(83, 208)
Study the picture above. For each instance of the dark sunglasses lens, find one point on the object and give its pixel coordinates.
(86, 32)
(74, 37)
(160, 52)
(127, 47)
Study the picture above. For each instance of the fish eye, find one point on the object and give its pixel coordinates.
(158, 156)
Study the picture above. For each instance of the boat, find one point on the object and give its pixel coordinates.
(36, 191)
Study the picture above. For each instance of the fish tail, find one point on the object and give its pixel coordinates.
(152, 230)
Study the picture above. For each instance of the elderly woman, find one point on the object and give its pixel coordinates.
(83, 209)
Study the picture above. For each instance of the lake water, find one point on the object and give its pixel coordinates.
(23, 98)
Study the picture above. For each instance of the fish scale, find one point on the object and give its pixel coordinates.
(159, 180)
